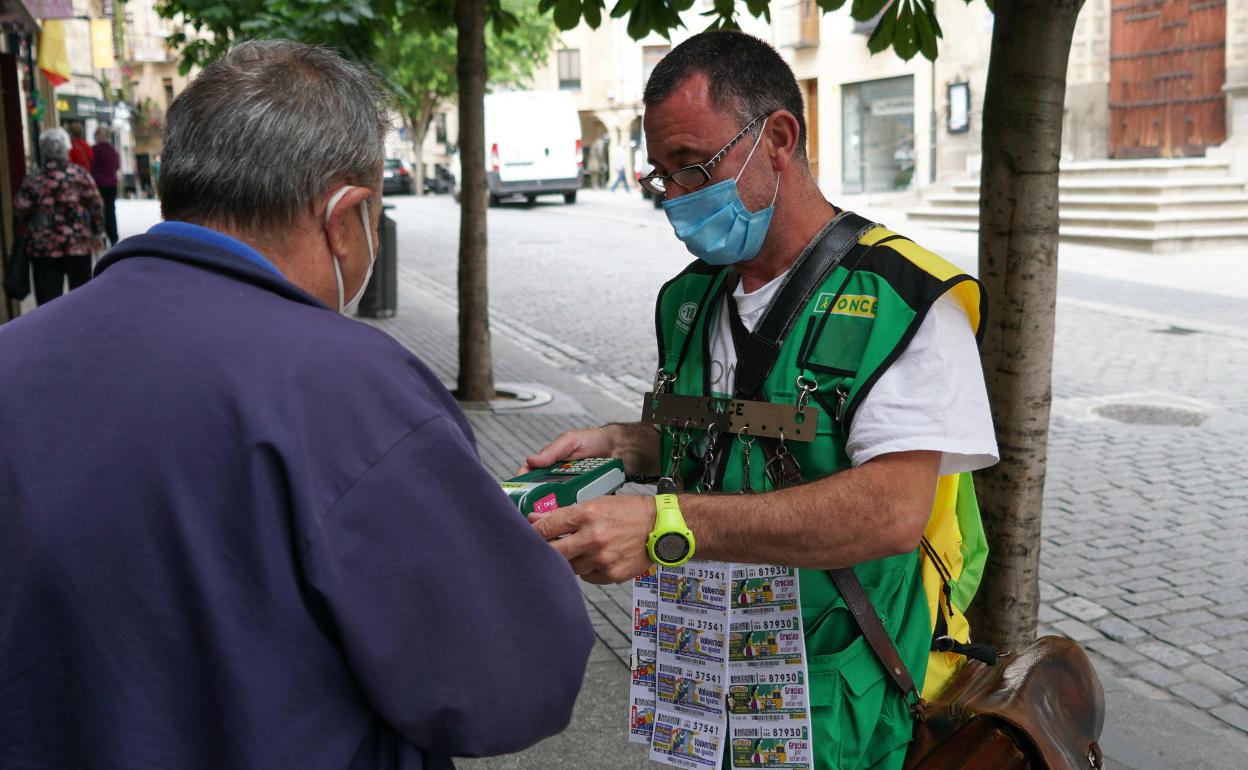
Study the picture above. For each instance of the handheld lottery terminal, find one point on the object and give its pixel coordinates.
(564, 483)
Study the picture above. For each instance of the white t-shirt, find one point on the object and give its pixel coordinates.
(932, 397)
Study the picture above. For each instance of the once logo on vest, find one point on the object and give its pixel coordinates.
(686, 314)
(860, 305)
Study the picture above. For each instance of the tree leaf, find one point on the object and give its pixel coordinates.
(593, 13)
(865, 10)
(623, 8)
(639, 21)
(567, 14)
(827, 6)
(931, 14)
(671, 21)
(926, 34)
(882, 36)
(904, 43)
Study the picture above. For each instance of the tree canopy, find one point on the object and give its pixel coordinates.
(420, 64)
(357, 28)
(908, 26)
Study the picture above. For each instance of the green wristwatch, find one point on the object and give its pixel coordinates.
(671, 542)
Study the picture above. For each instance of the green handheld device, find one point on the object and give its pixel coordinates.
(564, 483)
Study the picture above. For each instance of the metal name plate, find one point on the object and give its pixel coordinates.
(755, 418)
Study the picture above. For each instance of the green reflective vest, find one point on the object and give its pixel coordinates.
(851, 331)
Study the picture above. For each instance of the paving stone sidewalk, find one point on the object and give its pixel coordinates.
(1146, 516)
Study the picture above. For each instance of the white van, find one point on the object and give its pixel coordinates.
(532, 145)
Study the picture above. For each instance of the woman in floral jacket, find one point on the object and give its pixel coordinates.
(64, 216)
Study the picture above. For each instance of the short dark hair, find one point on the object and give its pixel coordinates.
(746, 77)
(261, 134)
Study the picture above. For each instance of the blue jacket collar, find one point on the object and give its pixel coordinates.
(206, 255)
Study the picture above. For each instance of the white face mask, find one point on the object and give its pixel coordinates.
(351, 307)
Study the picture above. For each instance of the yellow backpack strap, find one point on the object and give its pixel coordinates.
(951, 557)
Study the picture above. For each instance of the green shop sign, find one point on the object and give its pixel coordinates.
(71, 107)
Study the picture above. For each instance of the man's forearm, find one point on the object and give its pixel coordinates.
(637, 444)
(878, 509)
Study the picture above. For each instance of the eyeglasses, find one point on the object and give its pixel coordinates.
(694, 176)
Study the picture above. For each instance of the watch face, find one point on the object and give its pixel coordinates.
(671, 547)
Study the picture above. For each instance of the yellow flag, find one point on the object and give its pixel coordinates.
(102, 44)
(53, 56)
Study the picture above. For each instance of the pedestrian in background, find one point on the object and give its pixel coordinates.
(63, 214)
(239, 529)
(80, 151)
(594, 167)
(621, 177)
(104, 165)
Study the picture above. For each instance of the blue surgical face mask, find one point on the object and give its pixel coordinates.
(714, 223)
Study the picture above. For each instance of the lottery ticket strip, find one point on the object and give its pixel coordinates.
(718, 665)
(1141, 729)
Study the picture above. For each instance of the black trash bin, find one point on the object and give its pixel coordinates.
(381, 296)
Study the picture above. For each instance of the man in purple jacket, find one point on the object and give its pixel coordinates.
(104, 165)
(238, 530)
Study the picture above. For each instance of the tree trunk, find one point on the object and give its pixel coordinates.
(1018, 221)
(418, 122)
(476, 371)
(418, 143)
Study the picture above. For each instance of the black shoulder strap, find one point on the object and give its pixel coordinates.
(758, 351)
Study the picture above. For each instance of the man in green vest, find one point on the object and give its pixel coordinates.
(885, 349)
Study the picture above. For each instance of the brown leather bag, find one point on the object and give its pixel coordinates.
(1046, 698)
(1041, 708)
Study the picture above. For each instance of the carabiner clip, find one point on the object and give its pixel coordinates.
(805, 387)
(661, 381)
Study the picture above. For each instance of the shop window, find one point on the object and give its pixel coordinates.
(877, 135)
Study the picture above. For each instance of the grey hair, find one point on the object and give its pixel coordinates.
(54, 144)
(261, 135)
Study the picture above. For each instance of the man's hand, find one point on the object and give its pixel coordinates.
(571, 445)
(604, 539)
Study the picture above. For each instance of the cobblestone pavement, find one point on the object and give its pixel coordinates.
(1144, 543)
(1144, 536)
(1144, 532)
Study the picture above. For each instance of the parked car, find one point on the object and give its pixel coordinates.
(440, 180)
(396, 177)
(532, 146)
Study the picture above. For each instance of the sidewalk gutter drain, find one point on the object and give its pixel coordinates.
(1150, 414)
(511, 396)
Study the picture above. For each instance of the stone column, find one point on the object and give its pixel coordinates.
(1235, 148)
(1085, 133)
